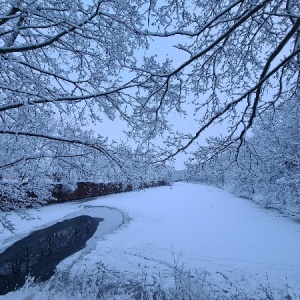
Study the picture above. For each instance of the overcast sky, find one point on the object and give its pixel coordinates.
(162, 48)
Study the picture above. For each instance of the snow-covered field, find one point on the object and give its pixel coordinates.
(236, 245)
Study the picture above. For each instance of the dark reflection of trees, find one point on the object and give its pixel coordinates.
(41, 251)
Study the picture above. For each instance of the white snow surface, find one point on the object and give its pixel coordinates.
(195, 225)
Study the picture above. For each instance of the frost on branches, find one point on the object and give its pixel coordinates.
(66, 64)
(61, 66)
(243, 57)
(267, 169)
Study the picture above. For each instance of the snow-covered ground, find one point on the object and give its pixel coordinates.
(239, 244)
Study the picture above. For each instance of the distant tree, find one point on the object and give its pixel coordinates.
(267, 168)
(276, 142)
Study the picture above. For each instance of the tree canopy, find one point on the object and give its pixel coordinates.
(244, 58)
(65, 64)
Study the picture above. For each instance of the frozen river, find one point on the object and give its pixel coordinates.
(239, 245)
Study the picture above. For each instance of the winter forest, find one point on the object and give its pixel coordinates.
(226, 98)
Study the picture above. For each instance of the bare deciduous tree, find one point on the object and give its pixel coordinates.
(62, 66)
(244, 57)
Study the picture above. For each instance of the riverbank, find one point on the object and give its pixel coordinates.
(62, 192)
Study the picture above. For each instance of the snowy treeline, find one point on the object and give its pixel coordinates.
(266, 167)
(62, 68)
(30, 166)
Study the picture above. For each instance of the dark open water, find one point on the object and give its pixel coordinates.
(39, 253)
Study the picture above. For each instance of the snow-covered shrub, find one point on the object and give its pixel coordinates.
(179, 283)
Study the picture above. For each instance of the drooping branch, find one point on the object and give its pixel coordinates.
(6, 107)
(72, 141)
(37, 157)
(283, 43)
(230, 105)
(51, 40)
(11, 14)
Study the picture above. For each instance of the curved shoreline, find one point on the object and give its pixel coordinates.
(113, 220)
(43, 249)
(104, 212)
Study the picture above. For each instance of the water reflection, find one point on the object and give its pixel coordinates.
(42, 250)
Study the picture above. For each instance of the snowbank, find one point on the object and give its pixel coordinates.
(236, 242)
